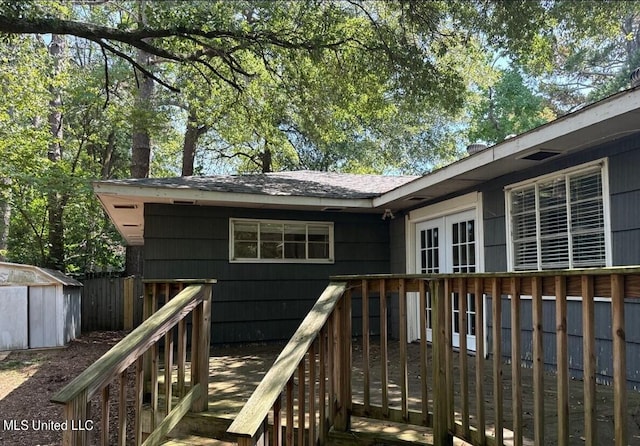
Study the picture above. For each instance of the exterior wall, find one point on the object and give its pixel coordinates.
(604, 343)
(257, 301)
(45, 321)
(624, 190)
(14, 318)
(72, 301)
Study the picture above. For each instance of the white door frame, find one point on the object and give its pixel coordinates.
(471, 203)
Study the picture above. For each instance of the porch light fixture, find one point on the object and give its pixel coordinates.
(388, 214)
(635, 77)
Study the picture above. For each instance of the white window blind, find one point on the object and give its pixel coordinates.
(558, 222)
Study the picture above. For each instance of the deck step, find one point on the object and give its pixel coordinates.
(368, 432)
(195, 440)
(371, 432)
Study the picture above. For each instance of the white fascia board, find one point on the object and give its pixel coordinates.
(149, 194)
(598, 113)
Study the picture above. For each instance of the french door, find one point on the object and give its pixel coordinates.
(448, 245)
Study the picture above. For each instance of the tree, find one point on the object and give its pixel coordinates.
(593, 47)
(360, 86)
(305, 74)
(35, 163)
(508, 108)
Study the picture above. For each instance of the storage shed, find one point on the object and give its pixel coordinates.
(38, 307)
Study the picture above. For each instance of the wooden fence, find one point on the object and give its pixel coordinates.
(112, 303)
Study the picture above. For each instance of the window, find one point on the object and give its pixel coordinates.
(281, 241)
(558, 221)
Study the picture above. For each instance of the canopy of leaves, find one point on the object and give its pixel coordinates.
(347, 85)
(508, 108)
(307, 83)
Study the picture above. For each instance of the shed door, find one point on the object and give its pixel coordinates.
(43, 317)
(13, 318)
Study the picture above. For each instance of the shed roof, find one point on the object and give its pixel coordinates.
(19, 274)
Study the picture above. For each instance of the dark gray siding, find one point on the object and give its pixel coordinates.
(624, 191)
(604, 344)
(397, 232)
(257, 301)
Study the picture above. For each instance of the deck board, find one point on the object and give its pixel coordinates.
(235, 371)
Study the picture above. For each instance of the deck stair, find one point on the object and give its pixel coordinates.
(205, 429)
(194, 440)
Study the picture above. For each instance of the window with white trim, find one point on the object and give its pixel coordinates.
(280, 241)
(558, 221)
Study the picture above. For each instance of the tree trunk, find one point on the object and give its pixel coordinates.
(191, 136)
(108, 157)
(141, 145)
(5, 216)
(265, 160)
(141, 141)
(55, 258)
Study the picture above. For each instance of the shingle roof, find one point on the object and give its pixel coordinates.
(302, 183)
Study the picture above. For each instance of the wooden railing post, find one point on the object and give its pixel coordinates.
(200, 349)
(589, 359)
(343, 365)
(77, 409)
(619, 359)
(129, 299)
(441, 434)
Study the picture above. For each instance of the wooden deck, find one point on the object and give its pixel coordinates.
(323, 378)
(235, 371)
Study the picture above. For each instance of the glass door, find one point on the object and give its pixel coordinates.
(429, 256)
(448, 245)
(461, 247)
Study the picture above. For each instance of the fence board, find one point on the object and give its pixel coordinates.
(103, 303)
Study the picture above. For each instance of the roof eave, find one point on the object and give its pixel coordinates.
(125, 203)
(606, 120)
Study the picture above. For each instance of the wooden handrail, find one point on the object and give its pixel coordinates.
(607, 271)
(98, 376)
(125, 352)
(250, 421)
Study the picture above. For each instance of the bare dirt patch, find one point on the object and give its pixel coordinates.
(28, 379)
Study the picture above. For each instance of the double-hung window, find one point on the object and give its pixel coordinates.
(281, 241)
(560, 221)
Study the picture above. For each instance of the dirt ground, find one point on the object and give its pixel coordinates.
(29, 378)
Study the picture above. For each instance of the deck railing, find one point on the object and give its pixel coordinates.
(142, 348)
(317, 361)
(458, 405)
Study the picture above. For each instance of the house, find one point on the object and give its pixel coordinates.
(563, 195)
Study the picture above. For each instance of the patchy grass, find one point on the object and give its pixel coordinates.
(19, 364)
